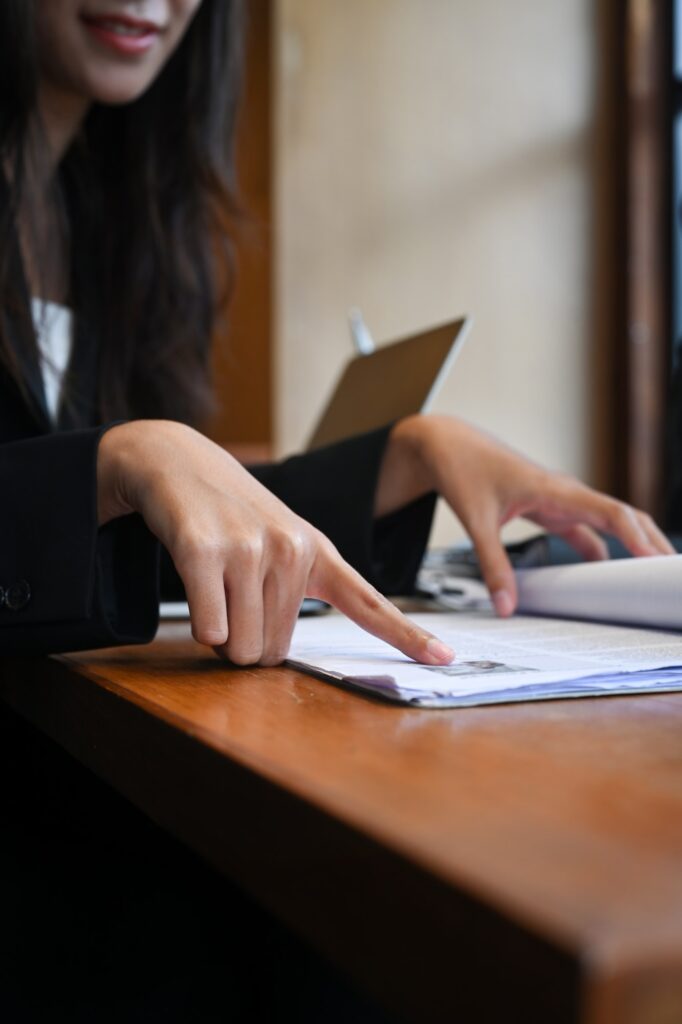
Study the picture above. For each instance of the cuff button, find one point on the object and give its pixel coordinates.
(17, 596)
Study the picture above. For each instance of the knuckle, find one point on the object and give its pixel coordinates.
(325, 547)
(553, 481)
(414, 635)
(291, 547)
(374, 601)
(570, 487)
(621, 514)
(497, 579)
(193, 548)
(248, 549)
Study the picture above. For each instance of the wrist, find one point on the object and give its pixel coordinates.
(405, 473)
(111, 456)
(130, 454)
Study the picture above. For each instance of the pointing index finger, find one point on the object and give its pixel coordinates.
(335, 581)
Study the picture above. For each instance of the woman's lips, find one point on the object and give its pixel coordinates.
(121, 33)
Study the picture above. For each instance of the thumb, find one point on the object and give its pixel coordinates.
(496, 569)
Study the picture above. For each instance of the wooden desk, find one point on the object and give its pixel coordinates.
(518, 863)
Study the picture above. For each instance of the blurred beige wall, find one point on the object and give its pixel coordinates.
(434, 157)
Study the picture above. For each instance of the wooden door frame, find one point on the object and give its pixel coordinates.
(242, 351)
(644, 353)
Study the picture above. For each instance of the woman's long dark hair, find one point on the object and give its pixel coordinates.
(148, 190)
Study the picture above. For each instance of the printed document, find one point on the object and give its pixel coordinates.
(497, 660)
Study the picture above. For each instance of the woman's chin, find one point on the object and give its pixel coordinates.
(118, 90)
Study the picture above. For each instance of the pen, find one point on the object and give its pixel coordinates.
(359, 332)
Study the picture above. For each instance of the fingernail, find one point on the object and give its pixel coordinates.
(504, 605)
(439, 650)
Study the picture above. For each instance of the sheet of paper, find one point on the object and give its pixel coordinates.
(521, 658)
(645, 591)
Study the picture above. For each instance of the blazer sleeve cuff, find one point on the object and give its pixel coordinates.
(334, 487)
(67, 584)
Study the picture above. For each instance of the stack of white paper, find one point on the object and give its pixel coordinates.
(497, 660)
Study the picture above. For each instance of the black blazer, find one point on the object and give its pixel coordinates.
(66, 584)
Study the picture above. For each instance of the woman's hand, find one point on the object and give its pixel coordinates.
(246, 560)
(487, 484)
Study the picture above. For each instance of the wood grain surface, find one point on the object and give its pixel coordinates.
(521, 860)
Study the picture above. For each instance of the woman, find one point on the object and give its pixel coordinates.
(117, 178)
(114, 129)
